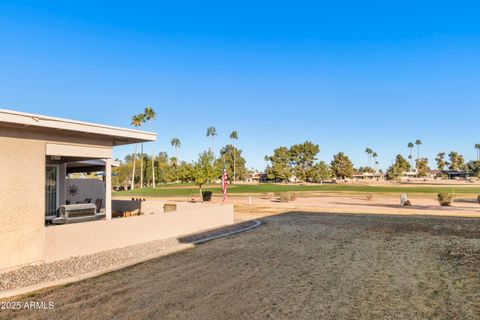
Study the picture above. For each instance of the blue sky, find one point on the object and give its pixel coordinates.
(344, 74)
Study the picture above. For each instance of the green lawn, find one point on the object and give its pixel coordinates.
(179, 190)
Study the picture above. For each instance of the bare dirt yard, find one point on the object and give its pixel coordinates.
(298, 265)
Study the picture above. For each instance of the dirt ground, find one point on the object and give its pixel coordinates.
(298, 265)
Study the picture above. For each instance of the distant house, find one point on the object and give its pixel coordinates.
(368, 176)
(457, 174)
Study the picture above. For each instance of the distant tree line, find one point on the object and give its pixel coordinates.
(300, 162)
(207, 168)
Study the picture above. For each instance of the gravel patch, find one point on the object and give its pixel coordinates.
(46, 272)
(35, 274)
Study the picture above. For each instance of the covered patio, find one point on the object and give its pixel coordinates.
(37, 154)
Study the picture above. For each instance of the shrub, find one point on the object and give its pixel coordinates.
(445, 199)
(293, 196)
(369, 196)
(288, 196)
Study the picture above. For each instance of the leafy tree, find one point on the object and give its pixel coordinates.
(456, 161)
(234, 162)
(341, 166)
(474, 166)
(394, 173)
(280, 165)
(422, 167)
(440, 159)
(400, 166)
(234, 137)
(320, 172)
(185, 172)
(205, 170)
(302, 158)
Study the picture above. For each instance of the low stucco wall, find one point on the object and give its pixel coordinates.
(91, 237)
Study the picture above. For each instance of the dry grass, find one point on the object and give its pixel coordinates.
(297, 266)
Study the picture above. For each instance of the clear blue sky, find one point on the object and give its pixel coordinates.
(343, 74)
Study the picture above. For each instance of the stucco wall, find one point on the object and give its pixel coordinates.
(22, 201)
(22, 190)
(90, 237)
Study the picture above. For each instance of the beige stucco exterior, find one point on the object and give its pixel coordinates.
(22, 190)
(22, 201)
(26, 144)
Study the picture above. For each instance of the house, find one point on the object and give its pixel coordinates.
(368, 176)
(36, 153)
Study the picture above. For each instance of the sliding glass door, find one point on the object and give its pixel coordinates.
(51, 191)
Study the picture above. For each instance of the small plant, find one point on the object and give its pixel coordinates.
(369, 196)
(445, 199)
(293, 196)
(478, 199)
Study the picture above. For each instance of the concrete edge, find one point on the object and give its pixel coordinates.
(256, 225)
(93, 274)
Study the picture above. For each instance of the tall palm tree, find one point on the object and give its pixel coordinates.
(375, 155)
(175, 142)
(411, 146)
(137, 121)
(234, 137)
(418, 143)
(369, 152)
(150, 115)
(477, 147)
(212, 132)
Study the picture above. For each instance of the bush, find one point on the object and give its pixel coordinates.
(287, 196)
(445, 199)
(369, 196)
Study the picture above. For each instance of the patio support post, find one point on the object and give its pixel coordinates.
(108, 189)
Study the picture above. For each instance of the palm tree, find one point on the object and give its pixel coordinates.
(418, 143)
(137, 121)
(212, 132)
(411, 146)
(375, 155)
(369, 152)
(477, 147)
(150, 116)
(175, 142)
(234, 137)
